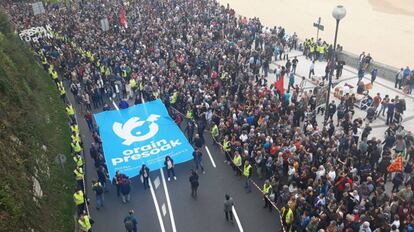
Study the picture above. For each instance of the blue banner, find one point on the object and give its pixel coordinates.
(141, 134)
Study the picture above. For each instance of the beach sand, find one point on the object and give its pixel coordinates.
(384, 28)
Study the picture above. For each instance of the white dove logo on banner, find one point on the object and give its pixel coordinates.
(125, 131)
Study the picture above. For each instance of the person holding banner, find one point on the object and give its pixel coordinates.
(169, 165)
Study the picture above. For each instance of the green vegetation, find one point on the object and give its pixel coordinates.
(31, 115)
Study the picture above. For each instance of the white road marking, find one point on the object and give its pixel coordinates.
(164, 209)
(167, 196)
(142, 98)
(211, 157)
(237, 219)
(113, 103)
(157, 182)
(157, 208)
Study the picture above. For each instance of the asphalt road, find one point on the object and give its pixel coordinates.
(203, 214)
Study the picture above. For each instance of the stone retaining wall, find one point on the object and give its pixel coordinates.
(384, 71)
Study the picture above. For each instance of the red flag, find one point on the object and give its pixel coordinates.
(396, 166)
(279, 85)
(122, 17)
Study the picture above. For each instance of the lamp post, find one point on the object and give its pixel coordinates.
(338, 13)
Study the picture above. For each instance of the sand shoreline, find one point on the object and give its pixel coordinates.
(383, 28)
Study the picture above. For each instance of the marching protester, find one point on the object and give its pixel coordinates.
(130, 222)
(117, 181)
(228, 207)
(169, 165)
(99, 193)
(194, 183)
(198, 158)
(125, 189)
(144, 176)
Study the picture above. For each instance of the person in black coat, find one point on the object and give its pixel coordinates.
(382, 166)
(103, 177)
(194, 183)
(189, 131)
(331, 109)
(198, 141)
(125, 189)
(144, 175)
(169, 165)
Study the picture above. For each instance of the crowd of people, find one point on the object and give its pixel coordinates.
(404, 80)
(203, 60)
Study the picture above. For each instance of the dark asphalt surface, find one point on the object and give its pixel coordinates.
(203, 214)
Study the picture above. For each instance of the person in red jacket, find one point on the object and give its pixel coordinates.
(340, 184)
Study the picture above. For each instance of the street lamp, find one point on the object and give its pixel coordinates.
(338, 13)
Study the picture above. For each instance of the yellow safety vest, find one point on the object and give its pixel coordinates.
(78, 198)
(61, 88)
(246, 170)
(173, 98)
(102, 70)
(123, 73)
(50, 70)
(44, 60)
(75, 138)
(85, 223)
(189, 114)
(69, 110)
(89, 54)
(322, 50)
(237, 160)
(132, 83)
(74, 128)
(78, 173)
(107, 72)
(266, 188)
(288, 218)
(54, 75)
(226, 145)
(78, 160)
(214, 131)
(76, 147)
(62, 91)
(311, 48)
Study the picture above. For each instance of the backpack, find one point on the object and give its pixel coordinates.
(99, 189)
(129, 224)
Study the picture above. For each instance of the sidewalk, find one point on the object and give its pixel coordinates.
(349, 76)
